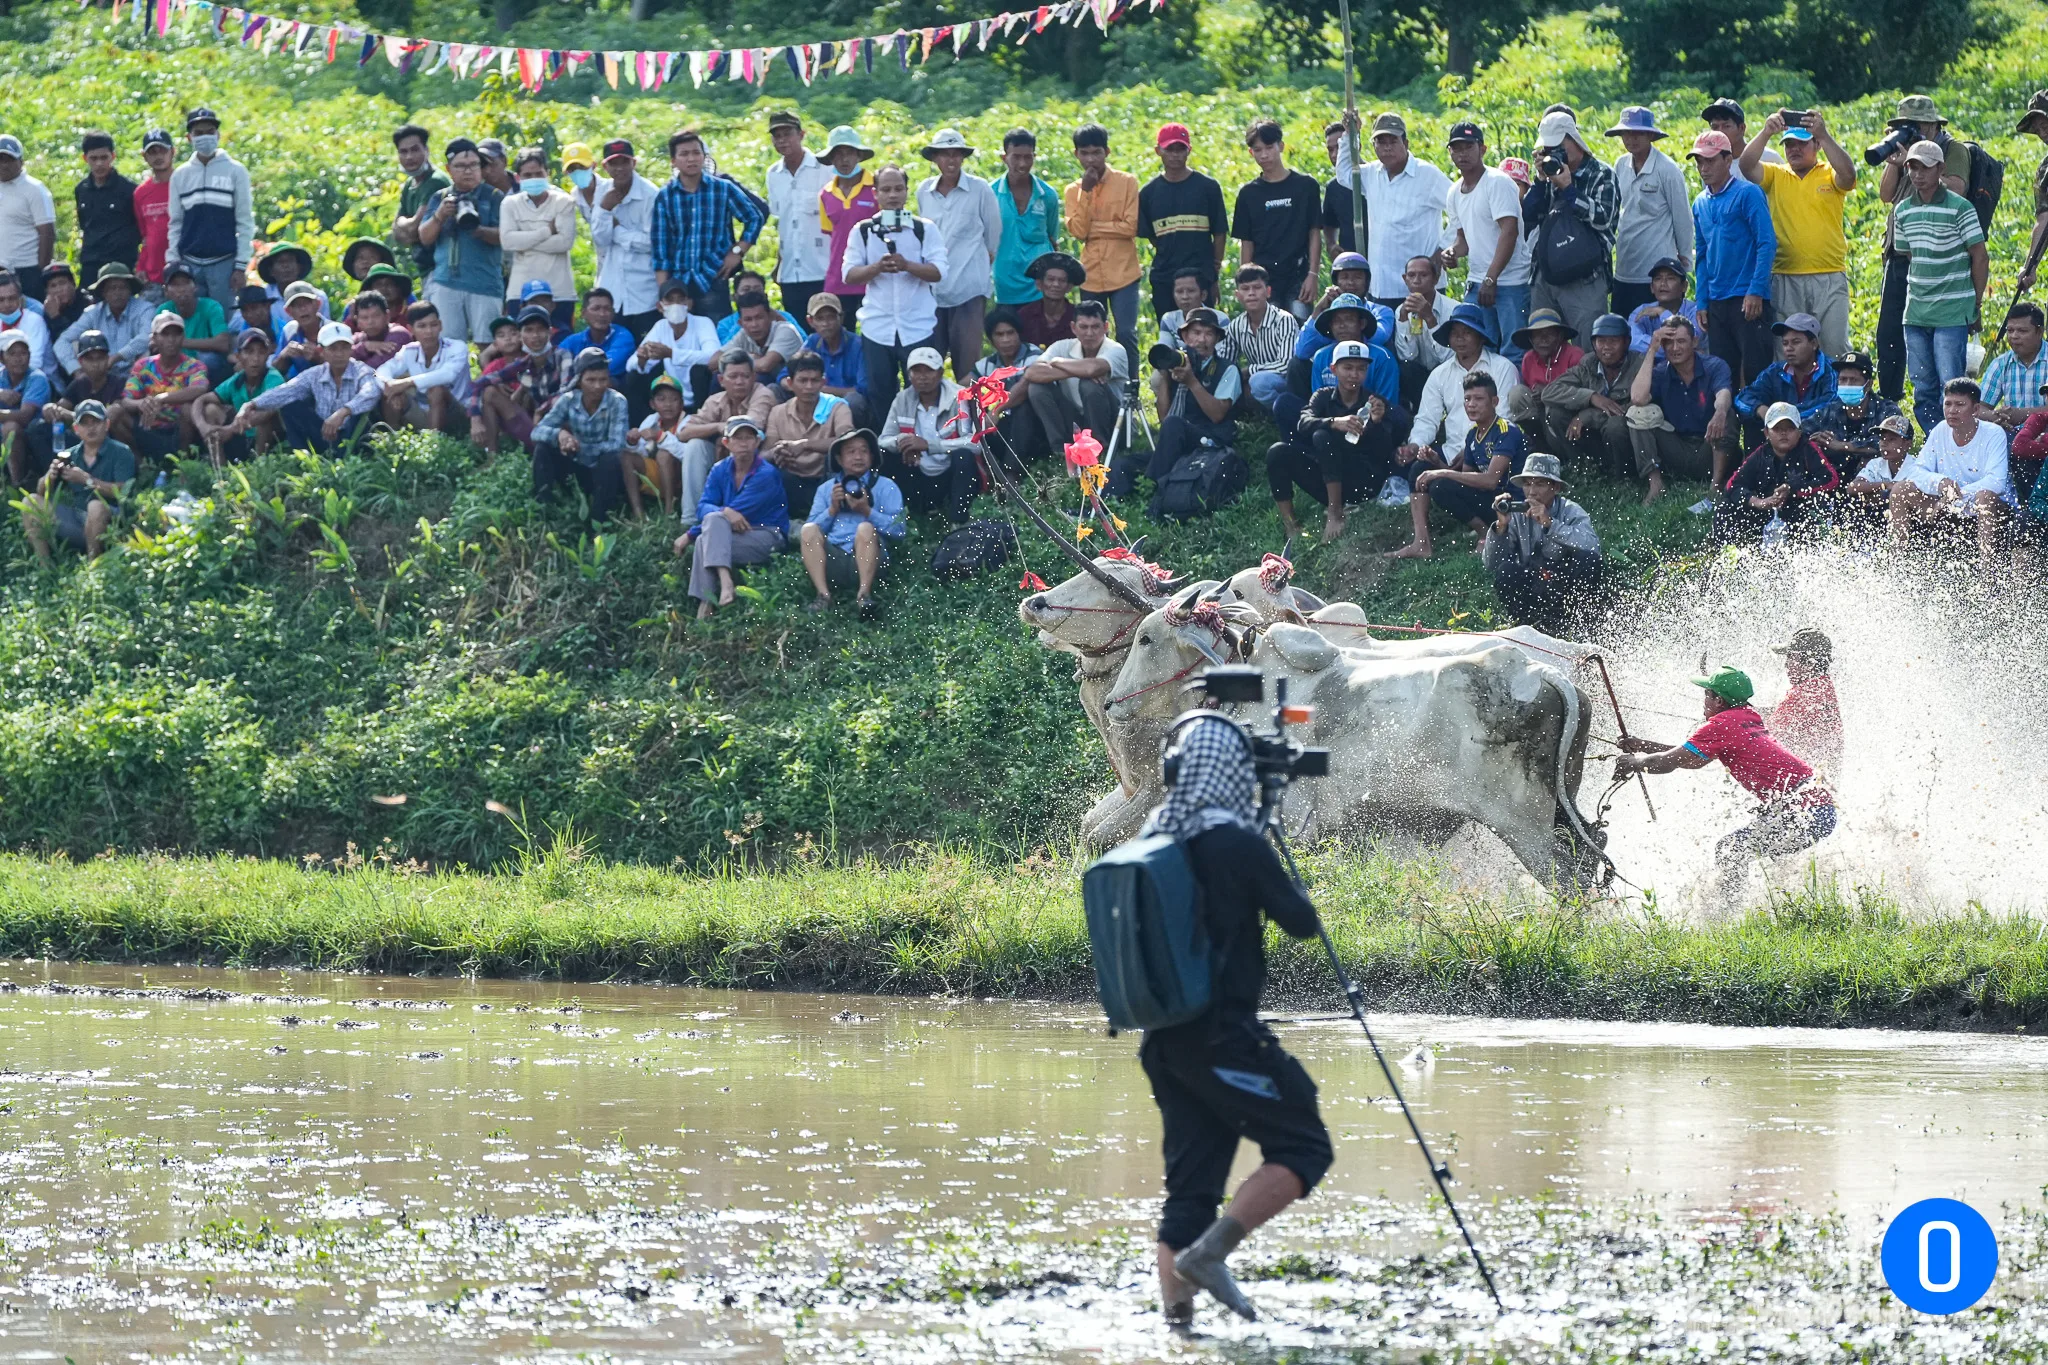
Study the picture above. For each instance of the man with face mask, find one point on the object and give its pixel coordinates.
(1860, 410)
(538, 226)
(682, 345)
(17, 316)
(213, 214)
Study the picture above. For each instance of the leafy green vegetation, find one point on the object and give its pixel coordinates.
(947, 922)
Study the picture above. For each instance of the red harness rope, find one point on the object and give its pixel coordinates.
(1154, 687)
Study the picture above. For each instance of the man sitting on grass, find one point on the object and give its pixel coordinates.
(1958, 478)
(161, 390)
(1466, 487)
(213, 416)
(741, 519)
(80, 495)
(854, 514)
(581, 438)
(327, 408)
(426, 384)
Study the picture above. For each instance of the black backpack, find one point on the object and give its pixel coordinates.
(1200, 484)
(975, 547)
(1568, 249)
(1986, 184)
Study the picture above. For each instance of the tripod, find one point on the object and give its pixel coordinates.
(1130, 418)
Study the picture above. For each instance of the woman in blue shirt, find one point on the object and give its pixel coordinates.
(741, 519)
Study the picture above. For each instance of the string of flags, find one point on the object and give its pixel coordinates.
(533, 67)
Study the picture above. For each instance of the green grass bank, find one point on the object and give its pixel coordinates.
(939, 923)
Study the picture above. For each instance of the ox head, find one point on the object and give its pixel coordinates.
(1265, 589)
(1170, 648)
(1085, 614)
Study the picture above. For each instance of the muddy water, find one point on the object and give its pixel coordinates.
(301, 1166)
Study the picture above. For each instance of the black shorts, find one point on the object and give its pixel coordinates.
(1463, 501)
(1215, 1084)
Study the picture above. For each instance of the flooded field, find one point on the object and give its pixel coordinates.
(297, 1166)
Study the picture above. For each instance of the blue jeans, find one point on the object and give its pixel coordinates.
(1266, 387)
(1510, 315)
(1934, 355)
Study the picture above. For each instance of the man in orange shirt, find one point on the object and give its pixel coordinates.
(1102, 214)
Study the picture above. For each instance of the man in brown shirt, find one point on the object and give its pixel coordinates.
(801, 432)
(738, 392)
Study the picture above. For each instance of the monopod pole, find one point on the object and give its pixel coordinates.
(1438, 1171)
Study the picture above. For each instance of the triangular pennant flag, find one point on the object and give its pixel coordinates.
(867, 53)
(611, 69)
(643, 70)
(369, 50)
(925, 38)
(740, 65)
(396, 49)
(440, 57)
(333, 40)
(849, 54)
(1038, 20)
(697, 69)
(983, 28)
(668, 65)
(219, 18)
(508, 62)
(795, 57)
(163, 17)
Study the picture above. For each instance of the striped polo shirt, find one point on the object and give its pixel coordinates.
(1939, 236)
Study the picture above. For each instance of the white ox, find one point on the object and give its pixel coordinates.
(1419, 741)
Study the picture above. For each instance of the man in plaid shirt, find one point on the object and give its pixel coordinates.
(2013, 379)
(693, 227)
(583, 437)
(511, 393)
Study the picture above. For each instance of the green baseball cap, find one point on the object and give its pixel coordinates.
(1729, 684)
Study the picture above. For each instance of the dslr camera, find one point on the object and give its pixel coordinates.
(467, 215)
(1549, 164)
(852, 489)
(1277, 759)
(1165, 358)
(1899, 139)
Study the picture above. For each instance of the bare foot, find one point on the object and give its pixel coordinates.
(1333, 526)
(1655, 491)
(705, 611)
(725, 594)
(1413, 550)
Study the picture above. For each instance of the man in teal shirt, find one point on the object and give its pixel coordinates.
(1031, 219)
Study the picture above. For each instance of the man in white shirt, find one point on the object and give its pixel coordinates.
(1440, 420)
(1404, 208)
(680, 344)
(1075, 383)
(1485, 211)
(896, 257)
(622, 227)
(1416, 322)
(964, 207)
(927, 443)
(803, 248)
(28, 220)
(426, 384)
(1959, 474)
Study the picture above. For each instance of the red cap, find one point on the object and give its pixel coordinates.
(1712, 144)
(1171, 133)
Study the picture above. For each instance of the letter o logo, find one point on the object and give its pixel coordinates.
(1939, 1256)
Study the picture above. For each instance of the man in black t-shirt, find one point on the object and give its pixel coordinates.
(1279, 222)
(1181, 213)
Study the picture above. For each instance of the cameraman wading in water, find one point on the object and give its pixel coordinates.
(1223, 1075)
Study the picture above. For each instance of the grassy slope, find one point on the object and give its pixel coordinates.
(945, 923)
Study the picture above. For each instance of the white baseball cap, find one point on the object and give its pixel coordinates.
(1349, 350)
(12, 337)
(331, 332)
(1780, 413)
(927, 357)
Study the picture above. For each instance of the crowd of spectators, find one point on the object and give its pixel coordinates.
(1610, 317)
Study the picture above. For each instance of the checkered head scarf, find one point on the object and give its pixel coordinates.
(1215, 785)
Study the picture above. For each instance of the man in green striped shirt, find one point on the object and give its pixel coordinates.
(1937, 230)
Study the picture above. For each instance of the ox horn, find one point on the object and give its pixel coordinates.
(1122, 591)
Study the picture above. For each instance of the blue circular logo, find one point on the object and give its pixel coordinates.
(1939, 1256)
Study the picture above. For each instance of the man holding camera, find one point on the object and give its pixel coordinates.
(1541, 549)
(1223, 1076)
(1806, 200)
(1203, 387)
(896, 257)
(854, 515)
(460, 225)
(1571, 212)
(80, 496)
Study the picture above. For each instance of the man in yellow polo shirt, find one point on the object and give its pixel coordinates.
(1806, 195)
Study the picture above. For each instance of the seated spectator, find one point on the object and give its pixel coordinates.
(252, 314)
(213, 416)
(282, 266)
(1865, 499)
(426, 385)
(1549, 350)
(854, 515)
(739, 392)
(79, 497)
(23, 392)
(511, 396)
(582, 436)
(358, 257)
(394, 284)
(500, 350)
(206, 326)
(27, 321)
(1784, 479)
(1201, 393)
(327, 409)
(1852, 437)
(161, 389)
(1341, 449)
(1021, 434)
(742, 518)
(1679, 405)
(846, 364)
(1418, 321)
(117, 315)
(63, 303)
(764, 336)
(378, 338)
(1959, 474)
(1347, 317)
(682, 345)
(751, 281)
(2029, 446)
(1261, 339)
(602, 330)
(1050, 316)
(1544, 554)
(657, 443)
(928, 445)
(2014, 383)
(1801, 376)
(540, 294)
(1188, 294)
(802, 431)
(1494, 450)
(1668, 283)
(98, 380)
(1441, 424)
(1073, 386)
(1585, 409)
(298, 345)
(1008, 350)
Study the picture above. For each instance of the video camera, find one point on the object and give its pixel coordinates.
(1277, 759)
